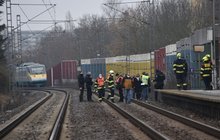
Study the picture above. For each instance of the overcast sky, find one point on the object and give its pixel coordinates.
(77, 8)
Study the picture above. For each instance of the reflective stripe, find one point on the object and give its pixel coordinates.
(207, 69)
(184, 84)
(179, 71)
(205, 75)
(100, 88)
(181, 65)
(111, 97)
(109, 93)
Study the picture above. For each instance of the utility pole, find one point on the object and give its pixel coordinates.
(19, 40)
(214, 48)
(10, 47)
(13, 51)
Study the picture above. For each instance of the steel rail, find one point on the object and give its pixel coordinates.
(195, 124)
(138, 123)
(55, 133)
(5, 130)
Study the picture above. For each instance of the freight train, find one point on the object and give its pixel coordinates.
(193, 48)
(31, 74)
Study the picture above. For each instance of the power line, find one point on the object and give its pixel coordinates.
(48, 10)
(32, 4)
(25, 16)
(34, 34)
(129, 2)
(34, 17)
(126, 14)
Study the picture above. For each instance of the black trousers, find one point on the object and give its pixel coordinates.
(81, 94)
(181, 81)
(101, 94)
(120, 91)
(89, 93)
(207, 82)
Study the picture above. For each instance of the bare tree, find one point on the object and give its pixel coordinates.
(124, 30)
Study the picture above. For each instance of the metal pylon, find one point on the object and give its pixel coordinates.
(19, 43)
(10, 44)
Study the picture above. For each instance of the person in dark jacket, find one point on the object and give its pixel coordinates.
(137, 86)
(119, 86)
(81, 82)
(89, 83)
(159, 81)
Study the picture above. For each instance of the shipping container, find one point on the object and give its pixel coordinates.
(118, 64)
(140, 63)
(193, 58)
(96, 66)
(64, 73)
(160, 56)
(131, 64)
(170, 81)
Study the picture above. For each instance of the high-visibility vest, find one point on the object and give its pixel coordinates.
(145, 79)
(100, 82)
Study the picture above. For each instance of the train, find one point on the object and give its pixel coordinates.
(193, 48)
(63, 74)
(30, 74)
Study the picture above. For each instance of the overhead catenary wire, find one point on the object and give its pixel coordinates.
(48, 11)
(126, 14)
(26, 17)
(34, 17)
(129, 2)
(38, 32)
(31, 4)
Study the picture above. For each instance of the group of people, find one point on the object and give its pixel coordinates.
(81, 82)
(128, 87)
(180, 69)
(139, 86)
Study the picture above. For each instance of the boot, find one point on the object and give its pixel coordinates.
(112, 100)
(80, 97)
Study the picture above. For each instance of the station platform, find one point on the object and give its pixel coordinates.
(205, 102)
(205, 95)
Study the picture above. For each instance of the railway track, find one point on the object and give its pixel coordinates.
(42, 120)
(214, 133)
(195, 124)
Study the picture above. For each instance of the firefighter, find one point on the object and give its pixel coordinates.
(95, 86)
(209, 59)
(206, 72)
(180, 69)
(100, 86)
(111, 85)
